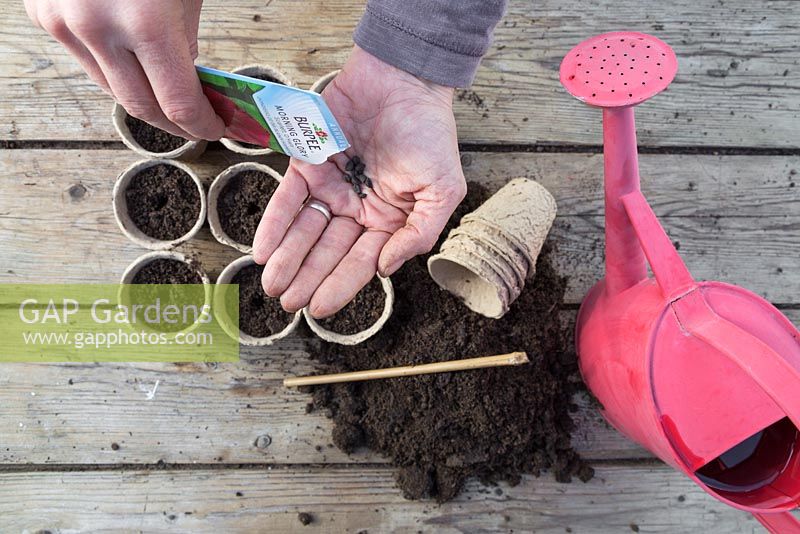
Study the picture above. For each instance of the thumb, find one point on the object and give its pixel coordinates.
(420, 233)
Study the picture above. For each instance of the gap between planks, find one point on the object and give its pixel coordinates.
(492, 148)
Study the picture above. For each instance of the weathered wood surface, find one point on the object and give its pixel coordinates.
(56, 221)
(56, 224)
(354, 499)
(197, 414)
(738, 84)
(193, 413)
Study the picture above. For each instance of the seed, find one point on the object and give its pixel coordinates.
(360, 168)
(368, 182)
(348, 178)
(361, 178)
(362, 195)
(357, 188)
(356, 160)
(350, 165)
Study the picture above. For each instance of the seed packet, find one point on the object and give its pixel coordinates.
(286, 119)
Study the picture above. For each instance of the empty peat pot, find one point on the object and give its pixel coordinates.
(486, 260)
(151, 142)
(361, 319)
(159, 203)
(323, 81)
(262, 72)
(237, 199)
(165, 267)
(262, 320)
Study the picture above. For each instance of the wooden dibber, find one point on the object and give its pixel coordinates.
(514, 358)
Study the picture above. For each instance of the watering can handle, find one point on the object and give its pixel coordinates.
(773, 373)
(671, 273)
(781, 523)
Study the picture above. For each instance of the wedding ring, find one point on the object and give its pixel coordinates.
(320, 207)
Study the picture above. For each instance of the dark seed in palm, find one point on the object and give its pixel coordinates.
(350, 165)
(348, 178)
(360, 168)
(367, 182)
(357, 188)
(356, 160)
(362, 195)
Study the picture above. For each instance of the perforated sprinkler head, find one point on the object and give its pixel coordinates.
(618, 69)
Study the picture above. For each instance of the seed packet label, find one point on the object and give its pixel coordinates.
(286, 119)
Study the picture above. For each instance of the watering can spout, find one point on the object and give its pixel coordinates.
(625, 262)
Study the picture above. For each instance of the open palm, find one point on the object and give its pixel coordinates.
(403, 129)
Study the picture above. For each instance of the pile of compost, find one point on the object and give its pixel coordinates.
(440, 430)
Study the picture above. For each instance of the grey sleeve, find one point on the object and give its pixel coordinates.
(438, 40)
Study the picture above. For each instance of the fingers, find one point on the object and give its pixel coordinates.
(192, 21)
(170, 70)
(335, 243)
(59, 30)
(284, 263)
(423, 227)
(354, 272)
(132, 90)
(287, 200)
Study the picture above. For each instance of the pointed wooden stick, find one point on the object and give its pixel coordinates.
(514, 358)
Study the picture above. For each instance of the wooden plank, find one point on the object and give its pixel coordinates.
(194, 413)
(56, 222)
(737, 87)
(619, 499)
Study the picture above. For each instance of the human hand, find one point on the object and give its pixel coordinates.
(141, 53)
(404, 131)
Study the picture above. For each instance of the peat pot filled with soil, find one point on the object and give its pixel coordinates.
(169, 268)
(323, 81)
(268, 73)
(152, 142)
(159, 203)
(236, 201)
(262, 320)
(361, 319)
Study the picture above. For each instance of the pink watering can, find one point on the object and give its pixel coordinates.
(706, 375)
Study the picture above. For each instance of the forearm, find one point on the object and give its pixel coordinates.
(438, 40)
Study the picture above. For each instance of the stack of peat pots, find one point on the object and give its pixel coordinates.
(486, 260)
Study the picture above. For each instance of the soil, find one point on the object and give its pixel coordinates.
(266, 78)
(259, 314)
(361, 313)
(151, 138)
(167, 271)
(163, 202)
(171, 272)
(242, 202)
(490, 424)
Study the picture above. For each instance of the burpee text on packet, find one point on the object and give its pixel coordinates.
(286, 119)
